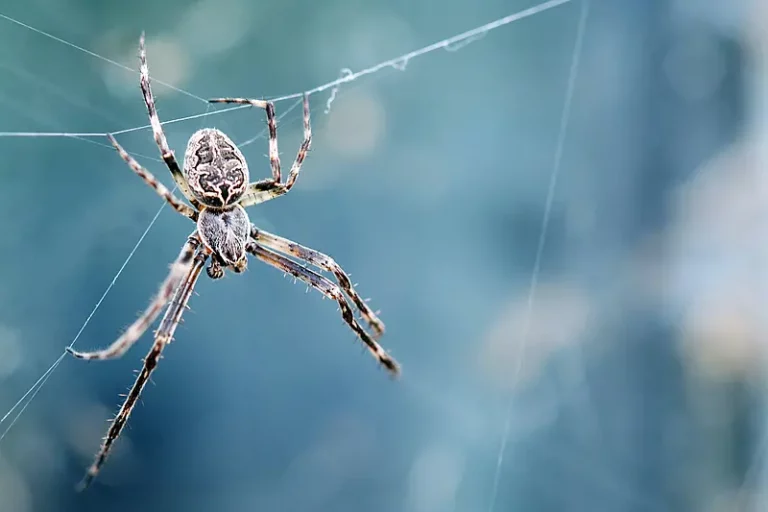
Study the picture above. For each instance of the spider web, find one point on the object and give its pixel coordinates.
(333, 88)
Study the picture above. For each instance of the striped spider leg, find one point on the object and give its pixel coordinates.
(150, 180)
(157, 129)
(330, 290)
(320, 260)
(179, 270)
(163, 336)
(267, 189)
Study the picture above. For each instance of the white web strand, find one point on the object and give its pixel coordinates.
(556, 166)
(96, 55)
(344, 73)
(450, 44)
(73, 135)
(37, 386)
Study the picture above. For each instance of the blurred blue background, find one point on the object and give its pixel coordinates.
(641, 384)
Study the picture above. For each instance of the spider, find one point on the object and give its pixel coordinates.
(215, 181)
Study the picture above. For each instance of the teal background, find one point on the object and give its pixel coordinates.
(641, 384)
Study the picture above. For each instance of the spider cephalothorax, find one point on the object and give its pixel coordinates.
(215, 182)
(215, 168)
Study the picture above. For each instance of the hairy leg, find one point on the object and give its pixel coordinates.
(331, 291)
(150, 180)
(163, 336)
(157, 129)
(269, 107)
(179, 270)
(264, 190)
(324, 262)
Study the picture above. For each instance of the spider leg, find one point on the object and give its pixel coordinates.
(264, 190)
(331, 291)
(157, 128)
(274, 155)
(261, 191)
(150, 180)
(304, 148)
(324, 262)
(179, 270)
(163, 336)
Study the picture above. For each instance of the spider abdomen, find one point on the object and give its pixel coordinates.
(225, 232)
(215, 169)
